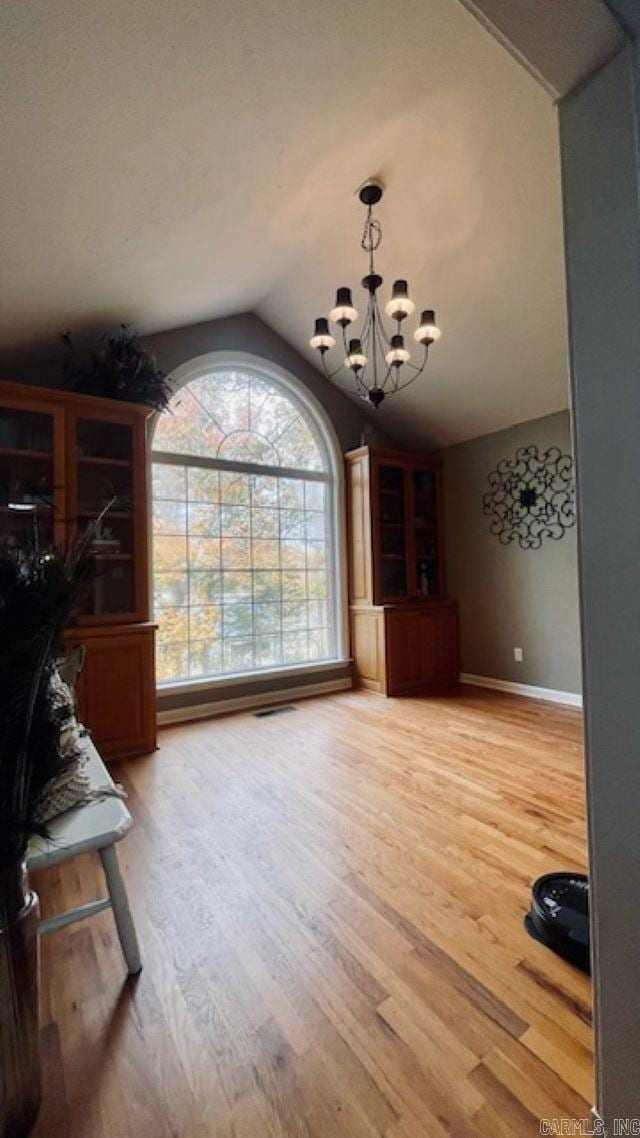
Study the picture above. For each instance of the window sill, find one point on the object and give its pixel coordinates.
(213, 683)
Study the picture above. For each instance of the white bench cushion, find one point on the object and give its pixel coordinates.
(89, 827)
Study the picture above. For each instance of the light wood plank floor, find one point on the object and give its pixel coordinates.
(330, 907)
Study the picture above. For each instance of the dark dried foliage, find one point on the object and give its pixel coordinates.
(118, 368)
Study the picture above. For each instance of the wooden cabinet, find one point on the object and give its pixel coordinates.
(395, 527)
(444, 639)
(422, 647)
(369, 648)
(32, 469)
(404, 632)
(116, 688)
(404, 651)
(63, 458)
(106, 462)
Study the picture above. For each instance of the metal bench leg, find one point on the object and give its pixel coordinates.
(121, 911)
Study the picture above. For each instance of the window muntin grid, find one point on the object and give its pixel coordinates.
(236, 416)
(242, 561)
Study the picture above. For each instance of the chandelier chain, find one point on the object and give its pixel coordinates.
(371, 236)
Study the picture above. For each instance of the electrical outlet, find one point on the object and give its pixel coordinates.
(518, 655)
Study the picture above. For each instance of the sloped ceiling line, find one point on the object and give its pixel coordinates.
(560, 44)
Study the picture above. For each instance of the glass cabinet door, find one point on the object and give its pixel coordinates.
(103, 475)
(426, 534)
(392, 532)
(30, 488)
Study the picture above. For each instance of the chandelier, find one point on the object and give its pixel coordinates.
(380, 364)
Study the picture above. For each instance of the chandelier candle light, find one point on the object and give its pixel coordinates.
(380, 364)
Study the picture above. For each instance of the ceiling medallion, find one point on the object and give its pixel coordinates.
(379, 363)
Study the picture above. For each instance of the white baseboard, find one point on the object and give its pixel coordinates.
(246, 702)
(568, 698)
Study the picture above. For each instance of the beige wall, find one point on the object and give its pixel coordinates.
(510, 597)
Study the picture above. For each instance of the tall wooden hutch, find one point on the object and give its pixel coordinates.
(62, 458)
(404, 632)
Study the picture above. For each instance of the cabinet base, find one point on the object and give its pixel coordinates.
(116, 688)
(403, 649)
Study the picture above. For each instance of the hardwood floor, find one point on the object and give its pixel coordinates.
(330, 906)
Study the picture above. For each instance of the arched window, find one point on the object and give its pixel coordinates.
(244, 526)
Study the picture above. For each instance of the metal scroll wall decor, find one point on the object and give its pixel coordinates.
(532, 497)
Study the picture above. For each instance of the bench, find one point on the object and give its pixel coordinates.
(97, 825)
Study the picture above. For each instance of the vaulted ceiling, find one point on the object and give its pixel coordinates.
(174, 162)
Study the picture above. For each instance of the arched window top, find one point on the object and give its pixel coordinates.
(236, 415)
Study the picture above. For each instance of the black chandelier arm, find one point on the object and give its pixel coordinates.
(417, 370)
(332, 375)
(401, 386)
(396, 374)
(382, 340)
(414, 367)
(366, 326)
(329, 374)
(384, 343)
(381, 326)
(388, 376)
(373, 339)
(363, 390)
(341, 367)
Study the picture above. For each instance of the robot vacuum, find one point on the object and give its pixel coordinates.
(559, 916)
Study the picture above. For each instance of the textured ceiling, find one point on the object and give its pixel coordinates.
(171, 162)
